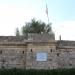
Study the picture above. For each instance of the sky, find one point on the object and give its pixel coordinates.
(15, 13)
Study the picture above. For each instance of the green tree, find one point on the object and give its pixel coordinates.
(17, 32)
(36, 27)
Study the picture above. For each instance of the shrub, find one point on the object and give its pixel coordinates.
(37, 72)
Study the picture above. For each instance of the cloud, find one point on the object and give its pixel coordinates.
(12, 16)
(66, 29)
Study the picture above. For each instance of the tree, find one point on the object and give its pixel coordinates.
(36, 27)
(17, 32)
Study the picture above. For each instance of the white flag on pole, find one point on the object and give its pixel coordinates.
(46, 10)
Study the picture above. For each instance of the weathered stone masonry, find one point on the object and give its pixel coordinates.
(21, 52)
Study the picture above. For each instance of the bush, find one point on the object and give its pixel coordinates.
(37, 72)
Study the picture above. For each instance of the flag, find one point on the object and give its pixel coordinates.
(47, 13)
(46, 10)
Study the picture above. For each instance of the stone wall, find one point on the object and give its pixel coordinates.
(24, 56)
(48, 48)
(62, 57)
(21, 52)
(12, 56)
(66, 58)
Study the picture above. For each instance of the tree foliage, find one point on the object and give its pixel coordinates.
(36, 27)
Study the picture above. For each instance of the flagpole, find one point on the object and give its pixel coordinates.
(48, 19)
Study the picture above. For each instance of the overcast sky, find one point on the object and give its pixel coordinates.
(14, 13)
